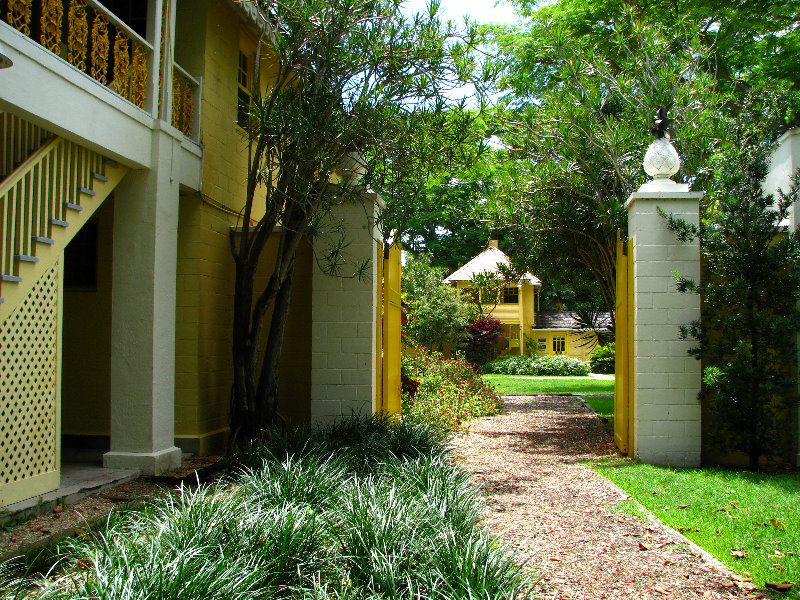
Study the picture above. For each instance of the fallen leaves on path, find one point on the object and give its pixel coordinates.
(542, 500)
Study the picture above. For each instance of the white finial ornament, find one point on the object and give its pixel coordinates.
(661, 161)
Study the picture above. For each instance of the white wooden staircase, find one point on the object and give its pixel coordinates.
(44, 202)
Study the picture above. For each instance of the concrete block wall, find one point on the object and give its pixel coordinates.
(667, 380)
(343, 314)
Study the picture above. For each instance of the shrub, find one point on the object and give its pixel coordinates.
(484, 334)
(449, 391)
(436, 316)
(559, 366)
(304, 521)
(602, 358)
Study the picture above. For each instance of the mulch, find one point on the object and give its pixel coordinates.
(555, 510)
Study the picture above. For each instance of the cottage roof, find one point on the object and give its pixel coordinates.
(487, 262)
(566, 320)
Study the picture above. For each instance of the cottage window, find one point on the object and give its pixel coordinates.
(243, 98)
(511, 295)
(559, 344)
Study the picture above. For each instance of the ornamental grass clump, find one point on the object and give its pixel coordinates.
(449, 391)
(553, 366)
(305, 519)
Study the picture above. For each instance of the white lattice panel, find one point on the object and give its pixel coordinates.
(28, 386)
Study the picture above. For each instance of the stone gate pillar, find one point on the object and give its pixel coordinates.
(343, 310)
(666, 379)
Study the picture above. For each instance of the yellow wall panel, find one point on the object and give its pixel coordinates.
(86, 364)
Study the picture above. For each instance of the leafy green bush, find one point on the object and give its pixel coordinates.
(558, 366)
(436, 316)
(602, 358)
(450, 391)
(299, 526)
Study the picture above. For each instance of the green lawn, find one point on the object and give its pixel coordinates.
(604, 405)
(749, 521)
(516, 384)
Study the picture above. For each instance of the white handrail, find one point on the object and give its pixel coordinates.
(119, 23)
(185, 73)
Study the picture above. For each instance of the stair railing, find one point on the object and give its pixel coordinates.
(18, 140)
(37, 196)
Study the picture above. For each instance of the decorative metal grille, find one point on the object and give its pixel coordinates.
(28, 410)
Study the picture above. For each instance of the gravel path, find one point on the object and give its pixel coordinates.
(542, 500)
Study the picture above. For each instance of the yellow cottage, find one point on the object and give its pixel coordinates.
(122, 171)
(560, 332)
(515, 306)
(527, 330)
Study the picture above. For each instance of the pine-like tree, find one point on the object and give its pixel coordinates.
(750, 287)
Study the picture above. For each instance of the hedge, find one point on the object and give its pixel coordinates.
(559, 366)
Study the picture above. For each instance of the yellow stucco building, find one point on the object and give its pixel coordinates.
(122, 170)
(515, 302)
(525, 329)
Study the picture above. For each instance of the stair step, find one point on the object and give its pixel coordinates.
(26, 258)
(99, 177)
(11, 278)
(72, 206)
(43, 240)
(58, 222)
(110, 162)
(87, 191)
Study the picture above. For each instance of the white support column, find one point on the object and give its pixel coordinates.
(343, 337)
(143, 309)
(784, 164)
(154, 26)
(667, 416)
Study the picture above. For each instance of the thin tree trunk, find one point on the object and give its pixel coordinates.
(754, 446)
(267, 393)
(242, 410)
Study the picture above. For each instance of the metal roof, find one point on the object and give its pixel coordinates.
(487, 262)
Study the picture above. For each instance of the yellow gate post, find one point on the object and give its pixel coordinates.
(380, 403)
(392, 341)
(623, 334)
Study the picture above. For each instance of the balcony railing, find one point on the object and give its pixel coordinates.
(97, 42)
(185, 100)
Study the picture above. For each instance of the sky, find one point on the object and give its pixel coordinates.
(482, 11)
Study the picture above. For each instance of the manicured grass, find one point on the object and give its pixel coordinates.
(749, 521)
(513, 384)
(603, 405)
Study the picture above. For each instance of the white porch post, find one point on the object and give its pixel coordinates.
(143, 315)
(343, 335)
(666, 379)
(154, 23)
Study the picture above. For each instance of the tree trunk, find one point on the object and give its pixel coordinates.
(243, 411)
(267, 394)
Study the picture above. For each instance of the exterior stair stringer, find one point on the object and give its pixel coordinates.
(49, 240)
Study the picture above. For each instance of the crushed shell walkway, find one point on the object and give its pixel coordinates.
(559, 512)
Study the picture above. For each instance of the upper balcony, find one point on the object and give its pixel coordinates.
(127, 46)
